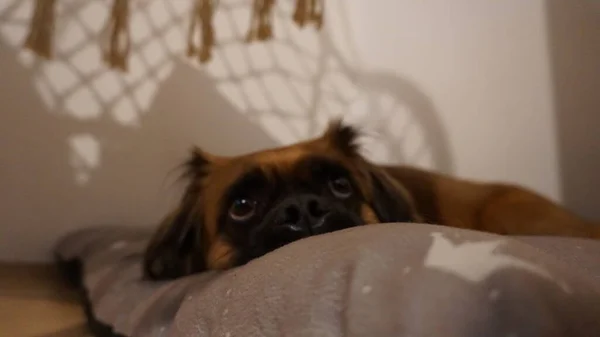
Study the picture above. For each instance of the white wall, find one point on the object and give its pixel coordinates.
(485, 65)
(464, 88)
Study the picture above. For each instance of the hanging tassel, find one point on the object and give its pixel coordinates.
(261, 23)
(202, 15)
(316, 13)
(300, 13)
(41, 29)
(117, 52)
(308, 11)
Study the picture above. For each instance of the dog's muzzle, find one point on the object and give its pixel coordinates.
(301, 216)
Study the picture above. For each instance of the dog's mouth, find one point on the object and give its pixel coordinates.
(320, 223)
(274, 236)
(303, 229)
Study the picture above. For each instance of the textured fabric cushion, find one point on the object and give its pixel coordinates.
(380, 280)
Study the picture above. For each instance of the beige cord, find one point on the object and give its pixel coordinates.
(117, 52)
(39, 38)
(202, 16)
(41, 29)
(309, 11)
(261, 22)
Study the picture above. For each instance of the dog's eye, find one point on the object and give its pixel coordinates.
(242, 209)
(340, 187)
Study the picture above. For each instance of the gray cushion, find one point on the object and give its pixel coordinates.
(379, 280)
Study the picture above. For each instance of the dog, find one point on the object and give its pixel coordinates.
(235, 209)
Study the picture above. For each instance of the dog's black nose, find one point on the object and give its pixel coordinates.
(304, 213)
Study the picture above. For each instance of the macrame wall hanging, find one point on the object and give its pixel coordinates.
(201, 36)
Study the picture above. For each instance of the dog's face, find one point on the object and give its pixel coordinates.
(240, 208)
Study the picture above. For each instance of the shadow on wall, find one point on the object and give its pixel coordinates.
(83, 145)
(574, 42)
(61, 173)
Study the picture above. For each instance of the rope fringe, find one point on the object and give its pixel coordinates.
(119, 45)
(308, 11)
(116, 52)
(201, 19)
(261, 22)
(41, 29)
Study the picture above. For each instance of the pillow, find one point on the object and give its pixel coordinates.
(378, 280)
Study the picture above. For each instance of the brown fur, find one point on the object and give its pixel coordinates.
(220, 255)
(495, 208)
(368, 214)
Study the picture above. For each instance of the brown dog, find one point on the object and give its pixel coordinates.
(239, 208)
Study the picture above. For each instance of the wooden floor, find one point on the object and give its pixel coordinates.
(34, 302)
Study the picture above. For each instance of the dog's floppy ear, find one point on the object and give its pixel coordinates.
(343, 138)
(391, 202)
(175, 249)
